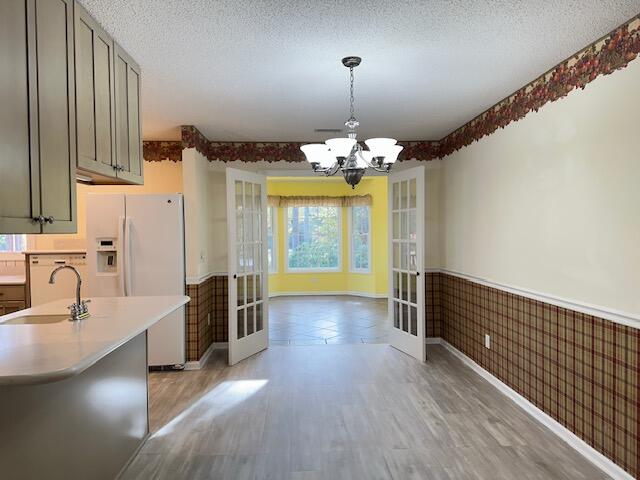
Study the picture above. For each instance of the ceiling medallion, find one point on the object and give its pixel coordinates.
(346, 154)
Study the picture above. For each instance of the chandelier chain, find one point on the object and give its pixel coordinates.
(351, 111)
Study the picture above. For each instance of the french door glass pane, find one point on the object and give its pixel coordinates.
(240, 281)
(413, 282)
(404, 286)
(257, 196)
(259, 322)
(405, 322)
(396, 285)
(396, 255)
(396, 225)
(250, 320)
(414, 320)
(249, 289)
(396, 314)
(396, 196)
(258, 287)
(412, 193)
(241, 312)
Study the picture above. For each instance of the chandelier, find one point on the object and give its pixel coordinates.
(346, 154)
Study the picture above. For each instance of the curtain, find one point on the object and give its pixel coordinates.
(318, 201)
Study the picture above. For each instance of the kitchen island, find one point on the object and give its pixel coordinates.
(73, 395)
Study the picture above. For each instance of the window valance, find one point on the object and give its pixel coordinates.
(318, 201)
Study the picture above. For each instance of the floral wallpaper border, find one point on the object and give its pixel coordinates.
(602, 57)
(154, 151)
(610, 53)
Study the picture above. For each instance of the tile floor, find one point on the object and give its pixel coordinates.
(327, 320)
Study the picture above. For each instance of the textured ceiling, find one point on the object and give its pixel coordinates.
(270, 70)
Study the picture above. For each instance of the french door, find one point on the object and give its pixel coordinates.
(247, 254)
(406, 261)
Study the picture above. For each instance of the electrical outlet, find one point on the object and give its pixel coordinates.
(487, 341)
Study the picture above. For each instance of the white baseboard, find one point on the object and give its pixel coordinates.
(591, 454)
(198, 364)
(312, 294)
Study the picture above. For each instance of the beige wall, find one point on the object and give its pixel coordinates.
(196, 206)
(552, 202)
(159, 177)
(433, 237)
(217, 241)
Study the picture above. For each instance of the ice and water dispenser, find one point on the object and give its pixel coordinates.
(106, 250)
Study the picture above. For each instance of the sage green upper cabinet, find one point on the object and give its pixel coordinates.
(127, 104)
(37, 118)
(19, 171)
(56, 114)
(107, 79)
(94, 97)
(69, 100)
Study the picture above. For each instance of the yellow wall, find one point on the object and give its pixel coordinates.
(373, 283)
(159, 177)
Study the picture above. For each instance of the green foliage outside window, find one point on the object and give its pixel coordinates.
(313, 237)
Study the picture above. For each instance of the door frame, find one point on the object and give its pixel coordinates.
(405, 341)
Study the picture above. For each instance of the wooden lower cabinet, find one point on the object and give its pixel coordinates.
(12, 299)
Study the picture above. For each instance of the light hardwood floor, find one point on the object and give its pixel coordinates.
(362, 411)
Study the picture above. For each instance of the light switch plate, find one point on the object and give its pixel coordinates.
(487, 341)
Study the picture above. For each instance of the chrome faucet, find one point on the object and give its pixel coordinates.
(78, 310)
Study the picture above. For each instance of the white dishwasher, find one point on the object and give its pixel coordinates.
(40, 268)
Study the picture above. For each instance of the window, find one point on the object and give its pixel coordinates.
(272, 238)
(13, 243)
(360, 234)
(313, 238)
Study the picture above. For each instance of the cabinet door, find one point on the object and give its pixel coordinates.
(55, 97)
(19, 170)
(10, 307)
(95, 130)
(128, 132)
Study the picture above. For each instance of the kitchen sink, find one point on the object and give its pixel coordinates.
(36, 320)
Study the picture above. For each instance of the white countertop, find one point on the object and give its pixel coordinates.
(54, 252)
(12, 280)
(32, 354)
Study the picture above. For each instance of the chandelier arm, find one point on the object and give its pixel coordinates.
(333, 169)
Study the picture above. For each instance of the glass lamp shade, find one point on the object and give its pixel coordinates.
(315, 152)
(379, 146)
(391, 154)
(341, 147)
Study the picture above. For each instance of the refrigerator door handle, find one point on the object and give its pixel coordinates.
(120, 255)
(128, 290)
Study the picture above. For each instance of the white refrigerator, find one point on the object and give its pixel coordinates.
(135, 247)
